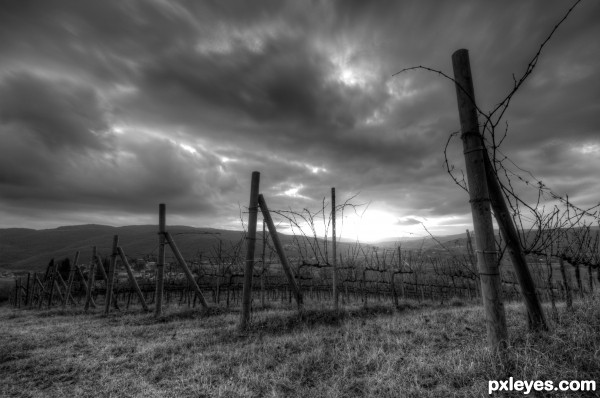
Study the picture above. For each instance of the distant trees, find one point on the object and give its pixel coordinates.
(64, 268)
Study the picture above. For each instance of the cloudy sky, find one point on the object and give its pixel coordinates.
(108, 108)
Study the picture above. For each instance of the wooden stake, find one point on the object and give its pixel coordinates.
(510, 235)
(186, 269)
(51, 278)
(262, 274)
(18, 294)
(42, 291)
(401, 268)
(30, 289)
(480, 202)
(71, 277)
(334, 252)
(63, 284)
(160, 264)
(111, 275)
(89, 287)
(279, 247)
(250, 247)
(132, 280)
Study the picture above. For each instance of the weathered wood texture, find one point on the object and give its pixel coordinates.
(250, 247)
(487, 259)
(160, 264)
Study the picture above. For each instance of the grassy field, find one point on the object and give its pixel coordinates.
(417, 350)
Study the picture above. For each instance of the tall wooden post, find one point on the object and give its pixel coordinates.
(400, 268)
(334, 252)
(111, 275)
(487, 259)
(160, 264)
(250, 247)
(279, 247)
(262, 273)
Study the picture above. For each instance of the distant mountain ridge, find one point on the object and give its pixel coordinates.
(24, 249)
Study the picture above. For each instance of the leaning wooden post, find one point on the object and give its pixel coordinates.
(89, 287)
(71, 277)
(132, 280)
(511, 237)
(18, 292)
(401, 270)
(42, 289)
(111, 275)
(334, 252)
(52, 280)
(105, 276)
(250, 246)
(30, 289)
(279, 247)
(186, 269)
(160, 264)
(61, 283)
(262, 273)
(487, 260)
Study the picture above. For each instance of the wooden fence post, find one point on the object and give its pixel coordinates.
(186, 269)
(51, 279)
(18, 294)
(111, 275)
(42, 286)
(480, 202)
(334, 252)
(160, 264)
(89, 287)
(105, 276)
(400, 268)
(71, 277)
(511, 237)
(30, 289)
(279, 247)
(61, 283)
(132, 280)
(262, 273)
(251, 244)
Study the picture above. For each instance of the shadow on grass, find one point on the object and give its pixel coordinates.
(180, 315)
(278, 323)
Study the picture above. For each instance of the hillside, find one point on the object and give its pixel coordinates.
(31, 250)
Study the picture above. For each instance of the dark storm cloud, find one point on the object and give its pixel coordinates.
(58, 113)
(124, 104)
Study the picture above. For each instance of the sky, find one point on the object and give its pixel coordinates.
(109, 108)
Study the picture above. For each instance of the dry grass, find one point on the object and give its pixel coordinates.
(414, 351)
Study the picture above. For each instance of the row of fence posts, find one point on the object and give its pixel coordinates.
(388, 284)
